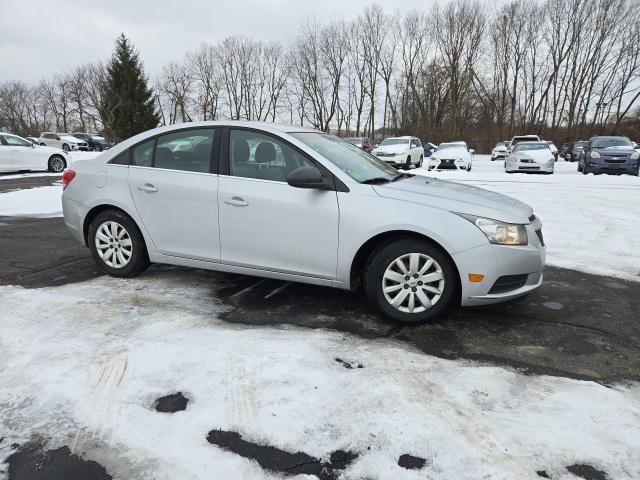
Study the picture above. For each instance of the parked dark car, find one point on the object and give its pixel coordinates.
(95, 141)
(361, 142)
(609, 155)
(573, 150)
(429, 148)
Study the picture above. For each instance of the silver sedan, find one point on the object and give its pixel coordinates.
(297, 204)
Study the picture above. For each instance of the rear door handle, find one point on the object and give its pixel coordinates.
(147, 187)
(236, 202)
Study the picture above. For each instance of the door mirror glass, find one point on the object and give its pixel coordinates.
(307, 177)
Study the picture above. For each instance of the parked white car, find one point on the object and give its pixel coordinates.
(528, 157)
(62, 140)
(17, 154)
(451, 156)
(296, 204)
(400, 151)
(499, 151)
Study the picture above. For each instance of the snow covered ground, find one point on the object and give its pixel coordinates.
(590, 223)
(34, 202)
(82, 364)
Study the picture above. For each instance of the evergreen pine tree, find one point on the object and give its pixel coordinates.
(128, 104)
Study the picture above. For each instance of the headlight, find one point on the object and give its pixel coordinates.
(595, 155)
(499, 233)
(635, 156)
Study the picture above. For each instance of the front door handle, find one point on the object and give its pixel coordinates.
(147, 187)
(236, 202)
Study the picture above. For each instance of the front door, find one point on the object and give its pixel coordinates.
(264, 222)
(25, 155)
(176, 195)
(6, 155)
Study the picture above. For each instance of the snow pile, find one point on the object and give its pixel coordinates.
(34, 202)
(82, 364)
(590, 223)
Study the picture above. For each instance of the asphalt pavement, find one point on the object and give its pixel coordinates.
(577, 325)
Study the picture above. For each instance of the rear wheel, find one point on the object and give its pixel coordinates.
(410, 280)
(56, 164)
(117, 245)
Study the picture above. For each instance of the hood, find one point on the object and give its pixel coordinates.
(539, 156)
(44, 148)
(451, 153)
(624, 150)
(456, 197)
(500, 149)
(69, 138)
(401, 148)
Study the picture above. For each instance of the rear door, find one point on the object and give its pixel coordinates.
(264, 222)
(174, 187)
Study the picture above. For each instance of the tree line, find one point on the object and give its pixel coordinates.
(565, 69)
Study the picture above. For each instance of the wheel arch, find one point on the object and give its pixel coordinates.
(95, 211)
(384, 238)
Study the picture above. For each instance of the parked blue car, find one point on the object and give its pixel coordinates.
(609, 155)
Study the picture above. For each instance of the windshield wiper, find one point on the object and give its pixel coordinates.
(376, 181)
(402, 175)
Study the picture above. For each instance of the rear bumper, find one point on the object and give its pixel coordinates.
(516, 166)
(74, 214)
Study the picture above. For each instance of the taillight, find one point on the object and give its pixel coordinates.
(67, 176)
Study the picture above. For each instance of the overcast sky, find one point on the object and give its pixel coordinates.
(42, 37)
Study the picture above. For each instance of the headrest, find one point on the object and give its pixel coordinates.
(240, 151)
(265, 153)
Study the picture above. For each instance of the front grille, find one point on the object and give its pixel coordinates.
(508, 283)
(540, 237)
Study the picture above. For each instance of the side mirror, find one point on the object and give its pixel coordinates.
(307, 177)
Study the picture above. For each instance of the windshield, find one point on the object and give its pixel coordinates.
(394, 141)
(611, 142)
(353, 161)
(354, 141)
(530, 146)
(442, 146)
(96, 137)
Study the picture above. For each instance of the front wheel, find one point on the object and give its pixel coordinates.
(117, 245)
(65, 147)
(56, 164)
(421, 160)
(410, 280)
(407, 164)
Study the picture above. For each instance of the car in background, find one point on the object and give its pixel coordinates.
(429, 148)
(573, 150)
(530, 157)
(361, 142)
(554, 149)
(94, 141)
(330, 215)
(400, 151)
(499, 151)
(609, 155)
(451, 156)
(563, 150)
(18, 154)
(521, 138)
(33, 140)
(63, 141)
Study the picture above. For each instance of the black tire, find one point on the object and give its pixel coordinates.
(43, 144)
(421, 160)
(383, 257)
(407, 164)
(65, 147)
(56, 164)
(585, 169)
(139, 259)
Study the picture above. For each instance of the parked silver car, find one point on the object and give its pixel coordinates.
(297, 204)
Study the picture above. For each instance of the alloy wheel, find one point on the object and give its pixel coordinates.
(413, 283)
(56, 164)
(113, 244)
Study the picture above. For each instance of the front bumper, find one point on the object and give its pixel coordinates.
(448, 164)
(529, 167)
(615, 167)
(497, 261)
(394, 160)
